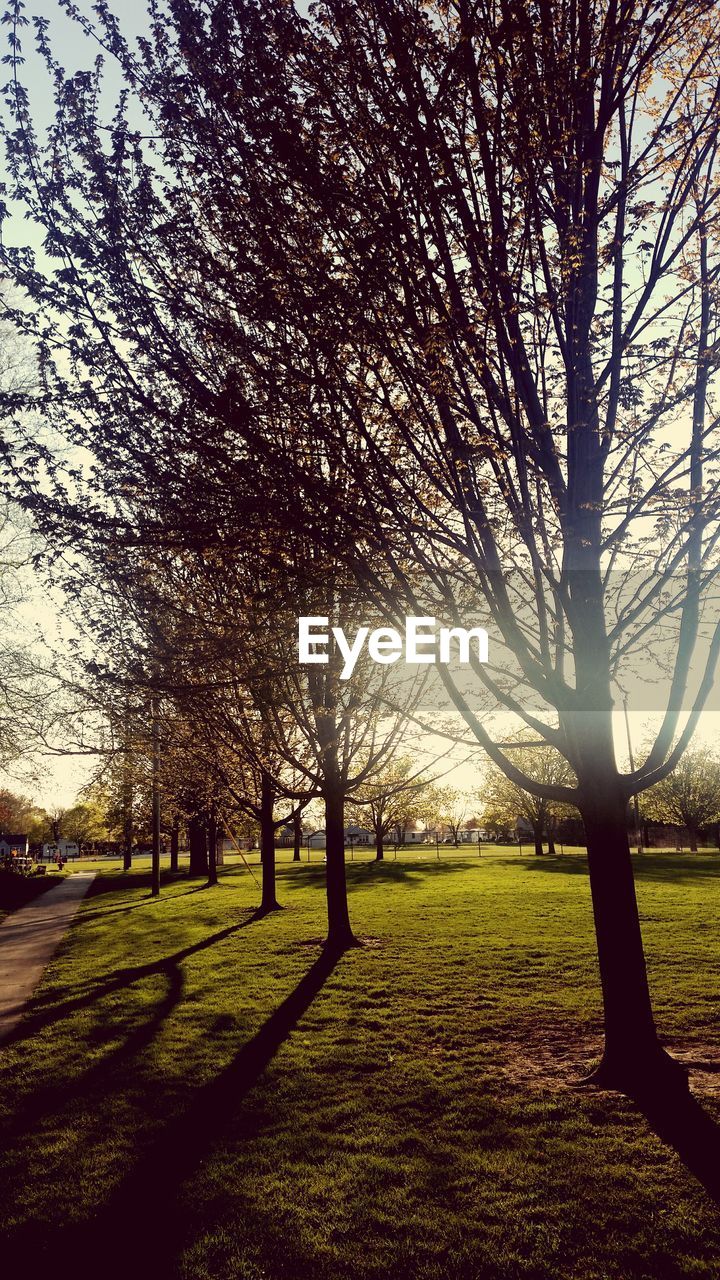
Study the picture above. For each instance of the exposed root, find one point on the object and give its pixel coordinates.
(560, 1055)
(646, 1077)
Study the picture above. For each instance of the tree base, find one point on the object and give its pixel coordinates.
(336, 944)
(644, 1077)
(266, 907)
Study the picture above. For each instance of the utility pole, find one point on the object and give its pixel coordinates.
(127, 790)
(155, 733)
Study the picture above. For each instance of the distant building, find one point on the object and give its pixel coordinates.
(358, 835)
(10, 844)
(354, 837)
(68, 849)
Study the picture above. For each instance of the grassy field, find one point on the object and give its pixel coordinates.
(199, 1093)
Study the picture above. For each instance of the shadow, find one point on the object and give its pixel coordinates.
(35, 1022)
(681, 1123)
(139, 1229)
(130, 883)
(17, 892)
(87, 916)
(52, 1097)
(670, 869)
(362, 875)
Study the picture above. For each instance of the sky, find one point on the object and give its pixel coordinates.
(55, 780)
(52, 780)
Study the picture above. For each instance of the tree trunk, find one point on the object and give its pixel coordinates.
(269, 900)
(155, 887)
(552, 851)
(127, 840)
(175, 845)
(297, 835)
(197, 839)
(633, 1059)
(537, 834)
(693, 836)
(379, 844)
(212, 851)
(340, 935)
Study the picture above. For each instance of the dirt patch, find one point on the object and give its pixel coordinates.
(557, 1055)
(702, 1062)
(548, 1055)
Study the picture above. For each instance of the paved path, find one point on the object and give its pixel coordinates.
(29, 938)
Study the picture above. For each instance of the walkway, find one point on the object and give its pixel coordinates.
(29, 938)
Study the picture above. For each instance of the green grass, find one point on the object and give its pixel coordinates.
(195, 1093)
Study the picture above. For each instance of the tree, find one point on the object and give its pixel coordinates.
(85, 822)
(317, 733)
(477, 185)
(18, 813)
(690, 795)
(395, 796)
(470, 252)
(507, 801)
(452, 811)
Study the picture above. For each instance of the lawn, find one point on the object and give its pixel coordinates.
(198, 1093)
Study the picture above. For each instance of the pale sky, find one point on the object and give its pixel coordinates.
(58, 779)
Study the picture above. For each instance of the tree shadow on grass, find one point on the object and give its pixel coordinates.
(683, 1124)
(53, 1097)
(88, 916)
(363, 875)
(124, 881)
(672, 869)
(138, 1231)
(121, 978)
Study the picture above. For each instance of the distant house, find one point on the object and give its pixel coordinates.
(10, 844)
(285, 838)
(68, 849)
(354, 836)
(358, 835)
(415, 837)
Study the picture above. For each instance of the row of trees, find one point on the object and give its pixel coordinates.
(376, 310)
(688, 798)
(86, 822)
(399, 800)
